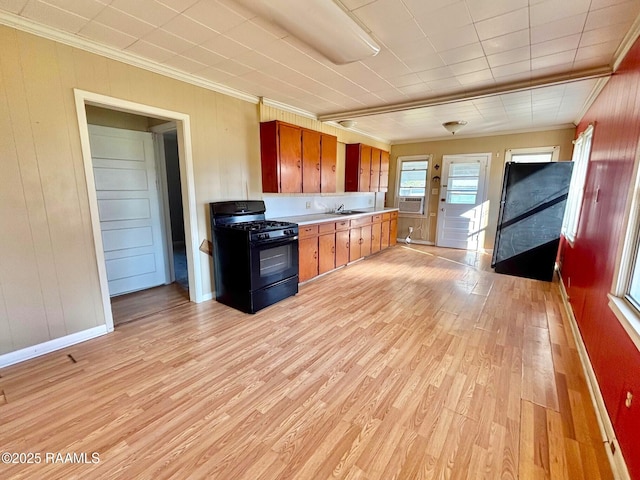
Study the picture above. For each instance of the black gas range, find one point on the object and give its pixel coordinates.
(255, 260)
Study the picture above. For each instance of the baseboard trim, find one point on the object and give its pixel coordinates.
(417, 242)
(28, 353)
(618, 465)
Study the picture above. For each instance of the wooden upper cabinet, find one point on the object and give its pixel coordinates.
(281, 156)
(310, 161)
(293, 158)
(328, 159)
(363, 169)
(374, 180)
(384, 171)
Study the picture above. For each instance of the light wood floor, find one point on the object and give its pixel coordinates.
(137, 305)
(417, 363)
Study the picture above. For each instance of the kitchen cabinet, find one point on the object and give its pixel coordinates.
(323, 247)
(326, 247)
(376, 233)
(384, 171)
(359, 238)
(328, 159)
(366, 168)
(308, 252)
(296, 159)
(393, 229)
(310, 161)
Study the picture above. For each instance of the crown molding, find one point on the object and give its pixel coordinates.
(29, 26)
(288, 108)
(597, 88)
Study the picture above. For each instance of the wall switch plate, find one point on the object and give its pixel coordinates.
(432, 214)
(434, 191)
(308, 204)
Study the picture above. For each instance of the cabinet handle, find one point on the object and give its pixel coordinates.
(315, 255)
(333, 168)
(299, 164)
(333, 249)
(361, 241)
(318, 166)
(347, 244)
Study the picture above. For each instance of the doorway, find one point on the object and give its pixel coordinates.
(187, 182)
(462, 211)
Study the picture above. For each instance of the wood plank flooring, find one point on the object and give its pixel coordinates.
(416, 363)
(137, 305)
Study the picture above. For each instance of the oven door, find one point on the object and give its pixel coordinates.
(273, 261)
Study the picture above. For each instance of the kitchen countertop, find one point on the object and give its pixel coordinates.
(331, 217)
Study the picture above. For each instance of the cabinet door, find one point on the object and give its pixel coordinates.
(376, 232)
(354, 244)
(365, 168)
(393, 231)
(329, 153)
(310, 161)
(384, 236)
(365, 241)
(384, 171)
(327, 253)
(290, 166)
(374, 180)
(308, 258)
(342, 247)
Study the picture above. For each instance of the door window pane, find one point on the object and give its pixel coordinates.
(465, 184)
(461, 198)
(464, 169)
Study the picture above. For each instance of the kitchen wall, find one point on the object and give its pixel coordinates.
(425, 228)
(48, 274)
(588, 265)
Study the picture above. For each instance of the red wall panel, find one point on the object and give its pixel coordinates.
(588, 265)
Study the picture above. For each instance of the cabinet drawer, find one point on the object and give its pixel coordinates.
(386, 217)
(358, 222)
(326, 227)
(308, 231)
(394, 214)
(343, 225)
(377, 218)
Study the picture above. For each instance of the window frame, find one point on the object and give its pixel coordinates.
(627, 313)
(581, 159)
(554, 150)
(427, 189)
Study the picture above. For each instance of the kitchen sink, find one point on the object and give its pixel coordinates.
(349, 212)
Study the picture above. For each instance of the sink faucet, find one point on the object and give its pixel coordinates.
(340, 208)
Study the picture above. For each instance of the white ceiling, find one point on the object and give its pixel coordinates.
(473, 60)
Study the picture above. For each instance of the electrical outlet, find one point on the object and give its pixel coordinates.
(434, 191)
(308, 204)
(432, 214)
(627, 401)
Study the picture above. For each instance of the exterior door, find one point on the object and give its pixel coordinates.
(461, 212)
(129, 209)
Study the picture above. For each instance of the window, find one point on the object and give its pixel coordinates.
(625, 297)
(533, 155)
(413, 183)
(580, 159)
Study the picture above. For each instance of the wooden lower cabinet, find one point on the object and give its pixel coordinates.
(342, 247)
(308, 256)
(327, 253)
(393, 229)
(326, 246)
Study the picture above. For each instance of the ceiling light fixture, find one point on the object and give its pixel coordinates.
(454, 126)
(321, 24)
(347, 123)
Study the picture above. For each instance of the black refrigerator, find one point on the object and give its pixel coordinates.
(534, 196)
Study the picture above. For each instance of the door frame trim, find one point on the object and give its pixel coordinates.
(485, 196)
(183, 127)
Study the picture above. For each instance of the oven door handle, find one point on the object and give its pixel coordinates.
(275, 241)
